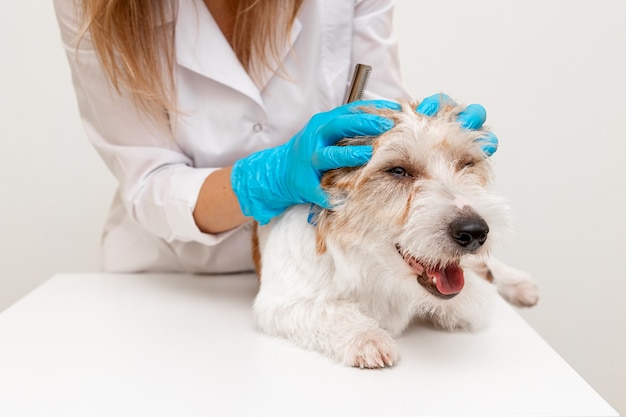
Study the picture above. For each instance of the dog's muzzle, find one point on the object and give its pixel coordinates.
(468, 231)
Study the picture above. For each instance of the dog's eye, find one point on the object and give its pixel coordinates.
(466, 163)
(398, 172)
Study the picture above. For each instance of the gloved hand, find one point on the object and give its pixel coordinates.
(269, 181)
(472, 117)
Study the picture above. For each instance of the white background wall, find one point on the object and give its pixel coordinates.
(550, 73)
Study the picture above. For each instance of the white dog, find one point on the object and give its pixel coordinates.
(408, 238)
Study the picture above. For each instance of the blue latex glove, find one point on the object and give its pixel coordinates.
(472, 117)
(269, 181)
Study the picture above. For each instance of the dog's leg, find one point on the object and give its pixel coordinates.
(335, 328)
(300, 298)
(515, 286)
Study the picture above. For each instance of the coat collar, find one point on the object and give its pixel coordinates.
(202, 48)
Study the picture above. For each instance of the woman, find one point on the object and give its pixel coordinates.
(204, 112)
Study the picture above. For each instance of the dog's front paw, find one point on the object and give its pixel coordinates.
(515, 286)
(371, 349)
(524, 293)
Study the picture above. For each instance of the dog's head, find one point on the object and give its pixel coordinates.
(421, 203)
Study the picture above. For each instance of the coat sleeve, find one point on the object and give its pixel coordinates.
(375, 43)
(158, 183)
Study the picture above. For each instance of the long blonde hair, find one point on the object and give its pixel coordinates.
(135, 43)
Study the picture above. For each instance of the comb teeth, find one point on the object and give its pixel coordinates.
(359, 82)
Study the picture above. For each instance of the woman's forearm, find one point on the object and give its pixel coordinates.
(217, 209)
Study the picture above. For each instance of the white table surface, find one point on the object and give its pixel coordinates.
(185, 345)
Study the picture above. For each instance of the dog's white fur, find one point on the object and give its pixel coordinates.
(346, 287)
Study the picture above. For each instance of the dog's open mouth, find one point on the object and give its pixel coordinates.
(441, 281)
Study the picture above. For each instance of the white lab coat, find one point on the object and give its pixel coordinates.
(226, 117)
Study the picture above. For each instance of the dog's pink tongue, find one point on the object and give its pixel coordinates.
(450, 280)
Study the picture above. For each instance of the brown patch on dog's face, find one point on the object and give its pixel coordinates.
(474, 164)
(379, 195)
(339, 183)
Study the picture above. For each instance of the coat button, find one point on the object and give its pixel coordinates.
(257, 127)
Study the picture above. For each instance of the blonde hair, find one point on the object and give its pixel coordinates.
(135, 43)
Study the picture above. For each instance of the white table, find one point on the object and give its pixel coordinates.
(184, 345)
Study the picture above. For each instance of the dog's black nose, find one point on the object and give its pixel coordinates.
(469, 232)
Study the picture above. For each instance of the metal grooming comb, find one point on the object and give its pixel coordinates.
(359, 82)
